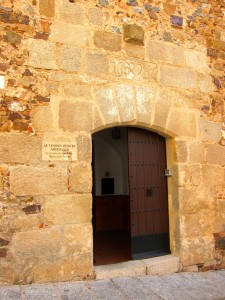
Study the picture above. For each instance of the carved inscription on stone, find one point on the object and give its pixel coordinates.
(61, 151)
(133, 69)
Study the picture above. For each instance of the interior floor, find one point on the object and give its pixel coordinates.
(111, 247)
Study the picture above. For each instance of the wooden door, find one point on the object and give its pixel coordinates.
(148, 194)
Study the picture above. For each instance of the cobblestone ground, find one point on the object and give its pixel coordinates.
(182, 286)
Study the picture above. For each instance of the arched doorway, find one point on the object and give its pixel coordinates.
(130, 205)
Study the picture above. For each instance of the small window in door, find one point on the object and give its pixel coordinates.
(107, 186)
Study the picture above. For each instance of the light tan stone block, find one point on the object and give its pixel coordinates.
(28, 222)
(215, 154)
(84, 148)
(197, 59)
(47, 8)
(130, 268)
(82, 243)
(42, 119)
(40, 243)
(72, 12)
(197, 152)
(42, 54)
(19, 148)
(144, 103)
(178, 77)
(204, 82)
(97, 63)
(213, 175)
(196, 177)
(80, 179)
(108, 41)
(181, 151)
(68, 209)
(71, 58)
(125, 102)
(133, 34)
(209, 131)
(182, 122)
(95, 16)
(181, 174)
(76, 267)
(194, 199)
(75, 116)
(167, 264)
(69, 34)
(106, 104)
(78, 91)
(161, 51)
(134, 50)
(40, 180)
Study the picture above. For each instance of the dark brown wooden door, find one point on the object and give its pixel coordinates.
(148, 194)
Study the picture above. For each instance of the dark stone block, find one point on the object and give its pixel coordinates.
(42, 36)
(19, 125)
(32, 209)
(3, 242)
(42, 99)
(212, 52)
(220, 243)
(3, 252)
(27, 72)
(14, 116)
(12, 38)
(176, 21)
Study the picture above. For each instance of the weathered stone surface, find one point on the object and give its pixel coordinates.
(144, 102)
(79, 36)
(72, 12)
(12, 38)
(97, 63)
(133, 34)
(42, 54)
(166, 52)
(37, 243)
(167, 264)
(108, 40)
(134, 50)
(75, 116)
(84, 148)
(47, 8)
(27, 180)
(42, 119)
(197, 59)
(3, 242)
(95, 16)
(209, 131)
(215, 154)
(218, 177)
(19, 148)
(181, 151)
(107, 105)
(71, 58)
(197, 152)
(80, 179)
(125, 102)
(185, 119)
(68, 209)
(178, 77)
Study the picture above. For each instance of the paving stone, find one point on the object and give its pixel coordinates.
(75, 291)
(12, 292)
(40, 292)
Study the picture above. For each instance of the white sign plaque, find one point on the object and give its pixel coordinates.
(2, 82)
(61, 151)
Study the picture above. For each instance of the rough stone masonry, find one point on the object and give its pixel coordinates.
(71, 68)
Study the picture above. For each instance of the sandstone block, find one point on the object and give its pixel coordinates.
(134, 50)
(167, 264)
(79, 36)
(25, 222)
(181, 174)
(40, 180)
(97, 63)
(197, 59)
(133, 34)
(68, 209)
(215, 155)
(108, 41)
(197, 152)
(130, 268)
(77, 267)
(42, 119)
(42, 54)
(196, 177)
(209, 131)
(72, 12)
(213, 175)
(166, 52)
(83, 241)
(144, 103)
(71, 58)
(84, 148)
(204, 82)
(47, 8)
(78, 91)
(19, 148)
(75, 116)
(80, 179)
(95, 16)
(186, 120)
(37, 243)
(106, 103)
(178, 77)
(125, 102)
(181, 151)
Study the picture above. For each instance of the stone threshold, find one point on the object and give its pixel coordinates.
(167, 264)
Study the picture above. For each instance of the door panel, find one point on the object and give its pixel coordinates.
(148, 193)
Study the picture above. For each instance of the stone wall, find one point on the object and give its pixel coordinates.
(71, 68)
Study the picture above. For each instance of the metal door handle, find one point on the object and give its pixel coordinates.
(148, 191)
